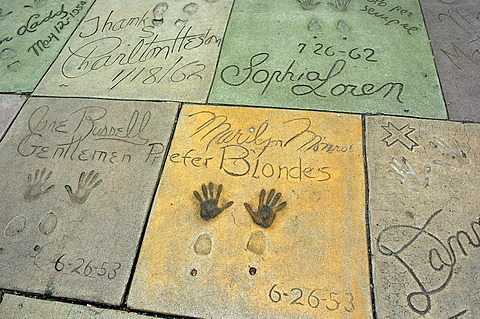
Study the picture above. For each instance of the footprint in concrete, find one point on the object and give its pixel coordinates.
(314, 25)
(190, 8)
(15, 226)
(7, 54)
(343, 26)
(257, 243)
(158, 13)
(39, 3)
(203, 244)
(48, 224)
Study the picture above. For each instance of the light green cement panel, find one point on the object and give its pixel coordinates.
(32, 33)
(362, 56)
(153, 50)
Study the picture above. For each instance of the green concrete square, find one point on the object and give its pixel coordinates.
(153, 50)
(32, 33)
(362, 56)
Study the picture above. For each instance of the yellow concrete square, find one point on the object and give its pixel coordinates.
(259, 214)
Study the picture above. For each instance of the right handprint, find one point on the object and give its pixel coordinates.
(267, 210)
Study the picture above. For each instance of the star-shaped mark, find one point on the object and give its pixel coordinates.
(400, 135)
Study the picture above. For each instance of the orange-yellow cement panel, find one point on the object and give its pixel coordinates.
(297, 249)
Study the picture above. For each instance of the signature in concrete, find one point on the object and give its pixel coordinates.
(429, 260)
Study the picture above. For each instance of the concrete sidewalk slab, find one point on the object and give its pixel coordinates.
(358, 56)
(10, 104)
(150, 50)
(424, 182)
(32, 33)
(454, 29)
(81, 177)
(14, 307)
(259, 214)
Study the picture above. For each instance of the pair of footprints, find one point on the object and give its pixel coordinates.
(257, 243)
(160, 10)
(37, 186)
(263, 216)
(18, 224)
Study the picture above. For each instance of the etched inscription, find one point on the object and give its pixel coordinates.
(431, 265)
(158, 45)
(68, 265)
(78, 136)
(391, 16)
(259, 72)
(37, 33)
(321, 299)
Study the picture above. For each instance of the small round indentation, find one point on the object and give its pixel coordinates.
(252, 271)
(37, 248)
(180, 23)
(193, 272)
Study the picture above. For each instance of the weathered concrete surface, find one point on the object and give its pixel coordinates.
(259, 214)
(80, 176)
(150, 50)
(14, 307)
(454, 29)
(10, 104)
(424, 190)
(32, 33)
(359, 56)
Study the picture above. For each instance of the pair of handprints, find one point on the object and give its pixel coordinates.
(37, 186)
(405, 173)
(263, 216)
(338, 5)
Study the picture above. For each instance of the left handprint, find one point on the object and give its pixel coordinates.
(36, 185)
(209, 204)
